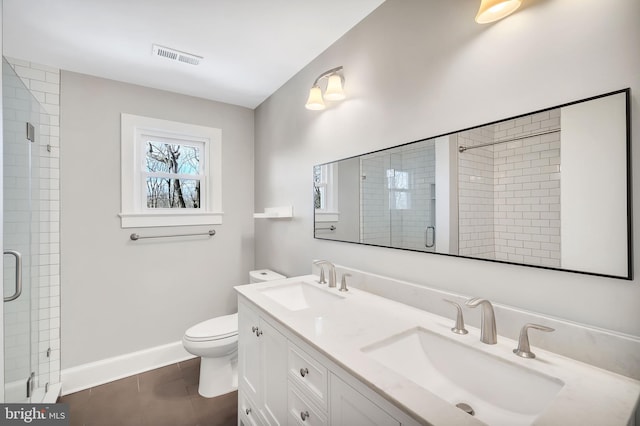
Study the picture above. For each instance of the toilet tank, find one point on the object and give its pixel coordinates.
(262, 275)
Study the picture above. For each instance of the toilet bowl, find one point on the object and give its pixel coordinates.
(215, 341)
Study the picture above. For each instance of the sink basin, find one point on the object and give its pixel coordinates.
(300, 295)
(498, 391)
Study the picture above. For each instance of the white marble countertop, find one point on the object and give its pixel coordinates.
(590, 395)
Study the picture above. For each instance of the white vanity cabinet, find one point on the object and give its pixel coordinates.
(308, 382)
(350, 407)
(287, 381)
(262, 370)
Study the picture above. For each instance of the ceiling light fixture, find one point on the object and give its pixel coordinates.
(493, 10)
(334, 91)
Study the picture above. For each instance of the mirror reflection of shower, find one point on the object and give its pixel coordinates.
(398, 197)
(521, 190)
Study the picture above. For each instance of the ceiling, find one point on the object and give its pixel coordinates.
(250, 47)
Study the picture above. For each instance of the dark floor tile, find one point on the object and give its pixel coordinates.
(190, 371)
(127, 385)
(192, 389)
(165, 391)
(117, 403)
(113, 409)
(189, 362)
(218, 411)
(165, 396)
(77, 403)
(191, 374)
(176, 411)
(148, 380)
(116, 421)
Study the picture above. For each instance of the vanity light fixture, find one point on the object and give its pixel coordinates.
(493, 10)
(333, 92)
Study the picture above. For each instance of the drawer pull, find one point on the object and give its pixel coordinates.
(304, 415)
(248, 411)
(259, 333)
(304, 372)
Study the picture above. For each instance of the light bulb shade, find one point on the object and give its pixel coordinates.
(334, 90)
(315, 101)
(493, 10)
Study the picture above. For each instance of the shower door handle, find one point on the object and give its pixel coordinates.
(18, 290)
(433, 236)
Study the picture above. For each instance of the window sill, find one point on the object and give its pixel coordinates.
(327, 216)
(148, 220)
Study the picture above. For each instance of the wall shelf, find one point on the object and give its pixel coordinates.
(282, 212)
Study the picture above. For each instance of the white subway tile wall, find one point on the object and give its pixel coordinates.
(510, 192)
(375, 223)
(475, 194)
(44, 84)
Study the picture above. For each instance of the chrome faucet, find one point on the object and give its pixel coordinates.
(332, 271)
(488, 332)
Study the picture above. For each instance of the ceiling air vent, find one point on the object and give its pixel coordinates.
(176, 55)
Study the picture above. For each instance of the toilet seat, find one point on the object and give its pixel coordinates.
(213, 329)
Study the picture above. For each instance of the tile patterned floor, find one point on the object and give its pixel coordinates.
(167, 396)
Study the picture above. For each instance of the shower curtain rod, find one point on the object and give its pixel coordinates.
(463, 148)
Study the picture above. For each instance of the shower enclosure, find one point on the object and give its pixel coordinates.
(26, 348)
(398, 197)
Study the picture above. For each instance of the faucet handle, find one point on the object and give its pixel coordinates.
(459, 327)
(524, 349)
(322, 279)
(320, 264)
(343, 282)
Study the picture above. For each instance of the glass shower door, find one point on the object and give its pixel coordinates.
(21, 126)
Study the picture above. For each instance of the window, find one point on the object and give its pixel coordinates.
(399, 192)
(325, 192)
(171, 173)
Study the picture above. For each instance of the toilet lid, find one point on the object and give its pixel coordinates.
(214, 329)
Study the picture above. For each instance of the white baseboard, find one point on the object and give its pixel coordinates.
(85, 376)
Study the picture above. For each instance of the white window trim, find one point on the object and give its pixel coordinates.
(330, 213)
(134, 213)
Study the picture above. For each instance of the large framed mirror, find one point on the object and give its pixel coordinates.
(548, 189)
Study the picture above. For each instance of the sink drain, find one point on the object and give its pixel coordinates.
(466, 408)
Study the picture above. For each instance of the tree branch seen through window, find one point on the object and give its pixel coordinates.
(173, 174)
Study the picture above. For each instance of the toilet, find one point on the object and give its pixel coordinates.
(215, 341)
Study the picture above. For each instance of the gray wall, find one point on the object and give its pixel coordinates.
(1, 231)
(120, 296)
(419, 68)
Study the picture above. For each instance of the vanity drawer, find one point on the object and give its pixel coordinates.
(247, 412)
(309, 374)
(301, 411)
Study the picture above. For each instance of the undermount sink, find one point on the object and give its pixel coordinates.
(499, 392)
(300, 295)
